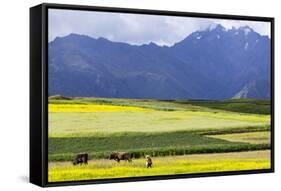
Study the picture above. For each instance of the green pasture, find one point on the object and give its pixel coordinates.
(235, 105)
(253, 106)
(182, 136)
(154, 144)
(67, 124)
(250, 137)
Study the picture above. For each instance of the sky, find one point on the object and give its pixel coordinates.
(136, 29)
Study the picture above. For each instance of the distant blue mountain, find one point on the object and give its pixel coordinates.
(210, 64)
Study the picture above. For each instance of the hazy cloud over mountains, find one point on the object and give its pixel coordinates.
(137, 28)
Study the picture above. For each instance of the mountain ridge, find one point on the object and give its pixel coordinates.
(201, 66)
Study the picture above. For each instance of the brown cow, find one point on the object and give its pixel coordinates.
(148, 161)
(81, 158)
(117, 156)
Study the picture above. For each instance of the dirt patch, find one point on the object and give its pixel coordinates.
(59, 97)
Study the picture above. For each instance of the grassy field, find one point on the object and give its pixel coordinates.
(187, 164)
(251, 137)
(141, 144)
(100, 126)
(147, 121)
(236, 105)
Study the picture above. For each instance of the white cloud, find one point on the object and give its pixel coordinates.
(260, 27)
(135, 28)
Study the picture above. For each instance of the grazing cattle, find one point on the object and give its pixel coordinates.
(81, 158)
(121, 156)
(148, 161)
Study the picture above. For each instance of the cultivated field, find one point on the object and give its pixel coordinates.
(169, 131)
(186, 164)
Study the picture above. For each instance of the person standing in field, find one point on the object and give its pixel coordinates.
(148, 161)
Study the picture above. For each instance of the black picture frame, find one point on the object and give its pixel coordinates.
(39, 93)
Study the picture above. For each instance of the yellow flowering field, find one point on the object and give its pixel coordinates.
(93, 108)
(188, 164)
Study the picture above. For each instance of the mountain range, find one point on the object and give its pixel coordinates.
(215, 63)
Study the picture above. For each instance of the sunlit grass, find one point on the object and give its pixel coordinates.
(65, 124)
(100, 126)
(231, 116)
(102, 169)
(249, 137)
(237, 105)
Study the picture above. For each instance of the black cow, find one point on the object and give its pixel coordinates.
(81, 158)
(117, 156)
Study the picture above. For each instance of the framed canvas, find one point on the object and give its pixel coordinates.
(121, 95)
